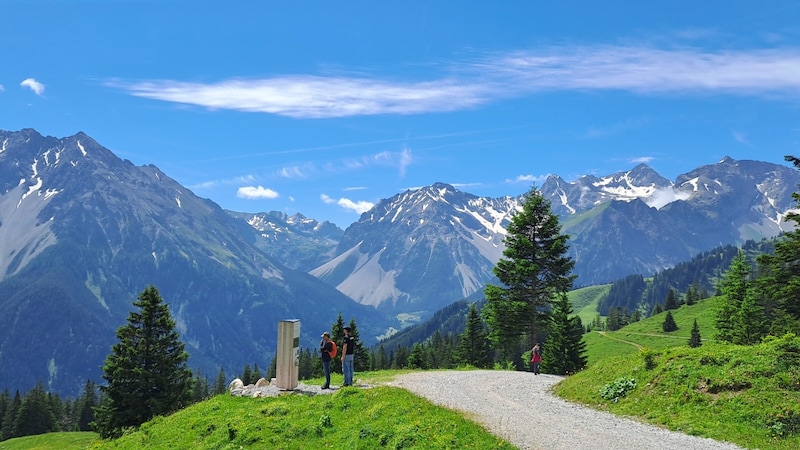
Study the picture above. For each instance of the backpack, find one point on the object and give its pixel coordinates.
(333, 349)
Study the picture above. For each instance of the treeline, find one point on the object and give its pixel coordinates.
(636, 296)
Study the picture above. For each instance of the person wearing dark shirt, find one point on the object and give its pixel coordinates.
(348, 353)
(325, 347)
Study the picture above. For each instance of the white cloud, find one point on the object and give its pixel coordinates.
(773, 73)
(35, 86)
(359, 207)
(528, 179)
(307, 96)
(2, 88)
(663, 197)
(252, 192)
(740, 137)
(642, 160)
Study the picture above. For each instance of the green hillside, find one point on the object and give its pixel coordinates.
(647, 332)
(380, 417)
(585, 301)
(746, 395)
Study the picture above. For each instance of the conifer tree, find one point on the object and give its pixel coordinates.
(146, 372)
(735, 287)
(9, 418)
(221, 383)
(694, 339)
(85, 406)
(533, 270)
(473, 347)
(247, 374)
(5, 403)
(669, 323)
(671, 302)
(34, 415)
(564, 351)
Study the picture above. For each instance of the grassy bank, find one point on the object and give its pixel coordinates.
(367, 418)
(746, 395)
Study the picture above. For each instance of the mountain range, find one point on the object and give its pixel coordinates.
(82, 232)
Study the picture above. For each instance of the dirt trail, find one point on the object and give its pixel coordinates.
(518, 407)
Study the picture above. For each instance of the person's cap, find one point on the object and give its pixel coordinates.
(346, 328)
(326, 334)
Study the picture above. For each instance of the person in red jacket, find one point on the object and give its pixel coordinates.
(536, 358)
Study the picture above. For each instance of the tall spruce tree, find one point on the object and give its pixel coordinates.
(34, 415)
(473, 347)
(146, 372)
(735, 286)
(564, 350)
(534, 269)
(694, 339)
(669, 323)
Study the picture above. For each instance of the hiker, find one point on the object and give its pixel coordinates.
(536, 358)
(326, 347)
(348, 353)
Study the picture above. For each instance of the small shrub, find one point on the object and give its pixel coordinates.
(619, 388)
(649, 359)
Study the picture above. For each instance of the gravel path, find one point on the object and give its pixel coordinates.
(518, 407)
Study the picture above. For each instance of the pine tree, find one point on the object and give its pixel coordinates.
(473, 347)
(564, 351)
(534, 269)
(221, 383)
(695, 340)
(692, 294)
(146, 372)
(671, 302)
(85, 406)
(247, 374)
(669, 323)
(34, 415)
(734, 286)
(5, 403)
(9, 418)
(416, 360)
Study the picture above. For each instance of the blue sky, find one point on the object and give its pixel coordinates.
(325, 108)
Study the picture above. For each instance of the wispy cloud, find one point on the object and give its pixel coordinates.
(307, 96)
(256, 193)
(642, 160)
(647, 70)
(740, 137)
(529, 179)
(359, 207)
(2, 88)
(638, 69)
(35, 86)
